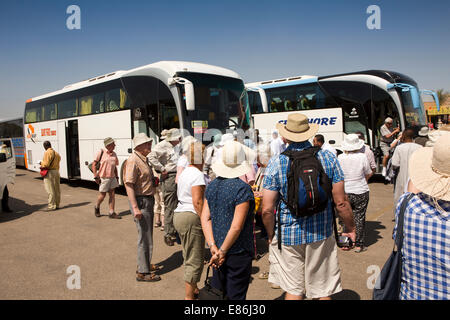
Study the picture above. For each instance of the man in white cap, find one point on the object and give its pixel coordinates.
(307, 263)
(422, 139)
(164, 158)
(139, 183)
(387, 137)
(106, 176)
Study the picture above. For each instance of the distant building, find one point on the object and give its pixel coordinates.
(433, 115)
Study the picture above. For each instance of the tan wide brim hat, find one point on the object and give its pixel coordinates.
(173, 135)
(297, 128)
(108, 141)
(139, 139)
(233, 162)
(429, 169)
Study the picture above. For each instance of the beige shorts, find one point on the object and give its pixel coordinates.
(309, 269)
(385, 148)
(108, 184)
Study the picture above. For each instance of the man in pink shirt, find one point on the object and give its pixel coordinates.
(106, 176)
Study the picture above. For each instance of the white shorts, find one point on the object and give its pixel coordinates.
(108, 184)
(308, 269)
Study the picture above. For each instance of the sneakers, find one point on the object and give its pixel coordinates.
(149, 277)
(168, 240)
(97, 212)
(383, 172)
(264, 275)
(114, 216)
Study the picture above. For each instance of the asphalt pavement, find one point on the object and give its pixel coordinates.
(71, 254)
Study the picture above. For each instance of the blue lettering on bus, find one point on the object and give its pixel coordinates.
(326, 121)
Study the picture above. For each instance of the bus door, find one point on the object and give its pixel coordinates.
(73, 154)
(62, 150)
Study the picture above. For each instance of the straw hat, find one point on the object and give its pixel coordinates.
(429, 169)
(297, 128)
(423, 132)
(140, 138)
(164, 134)
(108, 141)
(352, 143)
(232, 163)
(173, 135)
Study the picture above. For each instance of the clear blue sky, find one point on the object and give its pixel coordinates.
(258, 39)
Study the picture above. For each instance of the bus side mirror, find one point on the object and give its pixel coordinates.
(190, 96)
(2, 157)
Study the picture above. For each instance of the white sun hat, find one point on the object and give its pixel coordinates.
(429, 169)
(232, 163)
(226, 138)
(186, 142)
(352, 143)
(139, 139)
(173, 135)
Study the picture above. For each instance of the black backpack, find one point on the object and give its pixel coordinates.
(309, 188)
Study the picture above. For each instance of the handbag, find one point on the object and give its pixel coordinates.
(97, 164)
(208, 292)
(387, 286)
(44, 171)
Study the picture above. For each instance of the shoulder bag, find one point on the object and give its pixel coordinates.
(44, 171)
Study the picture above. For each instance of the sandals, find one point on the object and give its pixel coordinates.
(361, 249)
(157, 224)
(264, 275)
(150, 277)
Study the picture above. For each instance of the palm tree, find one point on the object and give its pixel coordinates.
(442, 96)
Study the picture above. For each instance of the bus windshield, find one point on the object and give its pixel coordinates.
(414, 114)
(220, 103)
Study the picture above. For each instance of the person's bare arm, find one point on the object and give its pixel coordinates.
(197, 198)
(268, 208)
(205, 218)
(344, 209)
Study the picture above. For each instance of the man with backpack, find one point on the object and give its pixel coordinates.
(301, 186)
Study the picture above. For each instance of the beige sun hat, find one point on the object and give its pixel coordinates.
(225, 138)
(185, 144)
(352, 143)
(164, 134)
(423, 132)
(108, 141)
(173, 135)
(297, 128)
(232, 163)
(429, 169)
(140, 138)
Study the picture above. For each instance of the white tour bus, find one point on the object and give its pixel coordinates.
(341, 104)
(197, 98)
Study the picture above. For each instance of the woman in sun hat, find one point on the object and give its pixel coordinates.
(426, 229)
(227, 222)
(357, 171)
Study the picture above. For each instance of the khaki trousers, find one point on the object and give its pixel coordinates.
(51, 184)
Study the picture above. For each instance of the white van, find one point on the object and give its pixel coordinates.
(7, 164)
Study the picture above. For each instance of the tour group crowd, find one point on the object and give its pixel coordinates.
(216, 196)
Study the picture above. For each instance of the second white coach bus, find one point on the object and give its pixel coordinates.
(341, 104)
(198, 98)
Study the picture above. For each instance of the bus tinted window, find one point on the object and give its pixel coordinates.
(167, 108)
(299, 97)
(49, 112)
(254, 100)
(33, 115)
(67, 108)
(92, 104)
(116, 99)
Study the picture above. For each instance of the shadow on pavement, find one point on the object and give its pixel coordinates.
(20, 209)
(346, 295)
(171, 263)
(74, 205)
(372, 233)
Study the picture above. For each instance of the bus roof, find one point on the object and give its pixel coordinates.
(390, 76)
(282, 82)
(163, 68)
